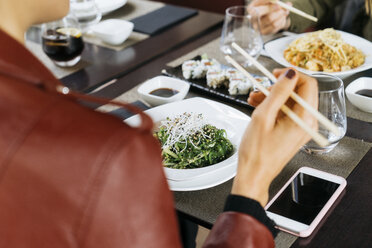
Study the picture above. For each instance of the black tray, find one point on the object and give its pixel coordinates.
(201, 85)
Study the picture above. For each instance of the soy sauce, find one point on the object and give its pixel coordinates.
(164, 92)
(364, 92)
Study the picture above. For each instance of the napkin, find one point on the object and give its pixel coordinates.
(160, 19)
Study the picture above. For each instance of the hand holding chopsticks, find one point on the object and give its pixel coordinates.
(321, 118)
(296, 11)
(322, 141)
(319, 139)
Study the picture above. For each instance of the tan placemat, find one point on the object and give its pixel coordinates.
(351, 110)
(58, 72)
(207, 204)
(212, 49)
(133, 9)
(340, 161)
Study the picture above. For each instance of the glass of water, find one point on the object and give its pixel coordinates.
(332, 106)
(86, 11)
(242, 27)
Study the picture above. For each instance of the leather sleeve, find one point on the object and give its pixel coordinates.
(233, 229)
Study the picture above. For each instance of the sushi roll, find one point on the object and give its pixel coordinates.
(238, 86)
(188, 68)
(233, 73)
(209, 64)
(204, 66)
(264, 81)
(216, 78)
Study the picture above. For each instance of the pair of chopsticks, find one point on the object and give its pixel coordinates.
(294, 10)
(318, 138)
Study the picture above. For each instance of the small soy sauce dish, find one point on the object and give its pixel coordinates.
(162, 89)
(359, 93)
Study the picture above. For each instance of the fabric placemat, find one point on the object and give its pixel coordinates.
(212, 49)
(132, 9)
(340, 161)
(207, 204)
(160, 19)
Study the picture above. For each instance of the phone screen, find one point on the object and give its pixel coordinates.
(304, 198)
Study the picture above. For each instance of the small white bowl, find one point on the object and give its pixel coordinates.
(113, 31)
(362, 102)
(160, 82)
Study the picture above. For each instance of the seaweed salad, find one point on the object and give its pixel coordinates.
(189, 142)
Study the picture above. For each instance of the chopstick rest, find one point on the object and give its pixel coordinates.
(296, 11)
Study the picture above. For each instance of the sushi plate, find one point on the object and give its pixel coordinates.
(201, 86)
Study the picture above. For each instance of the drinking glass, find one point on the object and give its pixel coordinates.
(332, 106)
(242, 27)
(86, 11)
(62, 41)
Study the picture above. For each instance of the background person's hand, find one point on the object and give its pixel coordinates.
(272, 138)
(273, 18)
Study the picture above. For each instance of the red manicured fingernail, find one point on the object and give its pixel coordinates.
(290, 74)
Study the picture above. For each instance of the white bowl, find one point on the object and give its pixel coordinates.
(217, 114)
(163, 82)
(113, 31)
(362, 102)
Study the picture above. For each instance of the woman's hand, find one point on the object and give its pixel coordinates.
(273, 18)
(272, 138)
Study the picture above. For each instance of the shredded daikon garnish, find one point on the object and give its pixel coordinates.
(189, 142)
(181, 127)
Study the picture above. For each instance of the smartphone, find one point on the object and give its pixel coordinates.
(304, 200)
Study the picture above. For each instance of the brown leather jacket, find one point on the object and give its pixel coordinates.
(53, 196)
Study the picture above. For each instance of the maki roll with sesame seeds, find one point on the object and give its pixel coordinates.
(217, 78)
(188, 68)
(239, 86)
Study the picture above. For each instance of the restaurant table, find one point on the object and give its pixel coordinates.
(348, 224)
(101, 65)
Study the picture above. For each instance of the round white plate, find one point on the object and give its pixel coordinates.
(107, 6)
(217, 114)
(276, 49)
(204, 182)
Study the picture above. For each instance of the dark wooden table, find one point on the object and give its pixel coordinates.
(106, 64)
(349, 224)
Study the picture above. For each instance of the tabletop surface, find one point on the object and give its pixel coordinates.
(106, 64)
(351, 217)
(347, 224)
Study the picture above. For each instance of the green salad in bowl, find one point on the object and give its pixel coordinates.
(189, 142)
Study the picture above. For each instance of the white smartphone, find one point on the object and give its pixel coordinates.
(304, 200)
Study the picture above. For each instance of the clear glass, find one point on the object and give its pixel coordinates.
(62, 41)
(332, 106)
(86, 11)
(242, 27)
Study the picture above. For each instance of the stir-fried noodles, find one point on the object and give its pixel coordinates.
(323, 51)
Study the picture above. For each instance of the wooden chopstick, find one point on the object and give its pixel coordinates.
(318, 138)
(296, 11)
(321, 118)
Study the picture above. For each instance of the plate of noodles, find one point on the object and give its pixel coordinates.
(326, 51)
